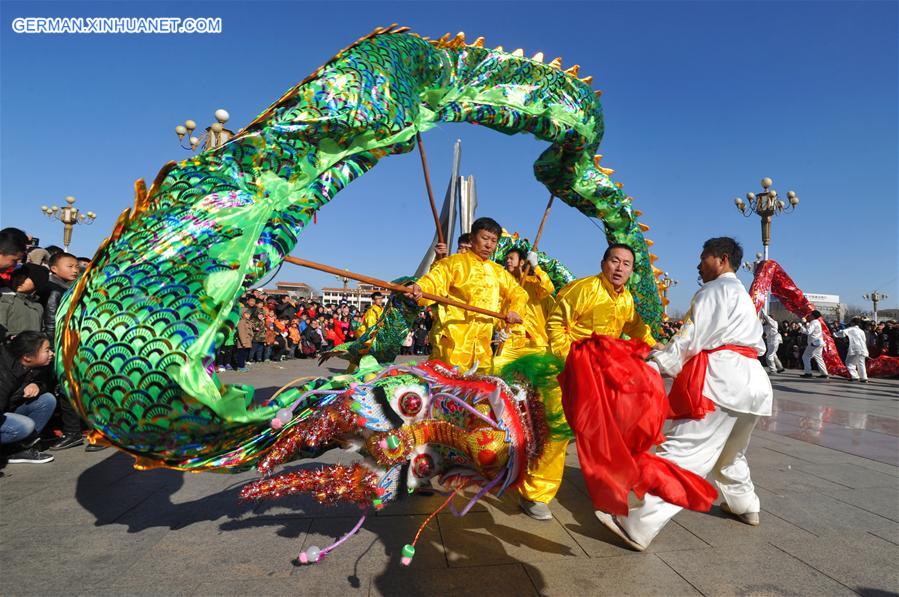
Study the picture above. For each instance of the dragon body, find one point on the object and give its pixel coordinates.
(137, 334)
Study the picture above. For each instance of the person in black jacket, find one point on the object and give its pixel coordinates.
(63, 272)
(25, 405)
(312, 337)
(420, 338)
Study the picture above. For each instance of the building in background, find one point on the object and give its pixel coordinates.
(828, 304)
(297, 290)
(359, 296)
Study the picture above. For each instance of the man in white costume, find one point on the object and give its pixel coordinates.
(722, 335)
(773, 340)
(858, 350)
(815, 347)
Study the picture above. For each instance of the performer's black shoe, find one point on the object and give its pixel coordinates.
(806, 375)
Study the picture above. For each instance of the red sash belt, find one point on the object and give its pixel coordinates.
(685, 399)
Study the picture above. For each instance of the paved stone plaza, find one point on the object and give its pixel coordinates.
(826, 466)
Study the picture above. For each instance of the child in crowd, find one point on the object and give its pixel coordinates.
(244, 339)
(63, 272)
(25, 403)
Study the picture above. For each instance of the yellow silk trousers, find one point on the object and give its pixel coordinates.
(543, 479)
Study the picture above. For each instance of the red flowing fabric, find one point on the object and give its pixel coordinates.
(616, 405)
(771, 278)
(685, 398)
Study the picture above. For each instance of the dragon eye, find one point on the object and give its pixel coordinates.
(423, 466)
(410, 404)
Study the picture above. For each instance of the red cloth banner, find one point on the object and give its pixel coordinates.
(616, 405)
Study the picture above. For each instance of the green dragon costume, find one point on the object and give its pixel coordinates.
(137, 334)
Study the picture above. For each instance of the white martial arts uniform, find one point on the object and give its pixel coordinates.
(721, 313)
(858, 351)
(773, 340)
(815, 347)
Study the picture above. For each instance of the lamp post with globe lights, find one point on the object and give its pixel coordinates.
(215, 135)
(875, 297)
(766, 205)
(69, 216)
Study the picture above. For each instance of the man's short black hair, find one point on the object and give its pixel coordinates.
(465, 238)
(488, 224)
(608, 252)
(59, 256)
(724, 245)
(13, 241)
(522, 254)
(855, 321)
(815, 314)
(376, 294)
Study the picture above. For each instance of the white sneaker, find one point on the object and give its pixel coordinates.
(750, 518)
(613, 525)
(536, 510)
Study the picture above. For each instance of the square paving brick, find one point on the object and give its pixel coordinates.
(624, 575)
(759, 570)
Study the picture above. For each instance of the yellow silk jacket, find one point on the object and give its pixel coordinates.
(464, 336)
(540, 303)
(590, 305)
(370, 318)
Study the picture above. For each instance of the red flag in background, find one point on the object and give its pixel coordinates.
(616, 405)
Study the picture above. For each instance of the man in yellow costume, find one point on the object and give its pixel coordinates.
(599, 304)
(369, 320)
(372, 314)
(528, 337)
(472, 278)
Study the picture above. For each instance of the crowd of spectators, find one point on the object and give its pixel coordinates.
(275, 327)
(882, 337)
(32, 282)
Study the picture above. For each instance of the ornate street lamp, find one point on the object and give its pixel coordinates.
(69, 216)
(215, 135)
(875, 297)
(766, 205)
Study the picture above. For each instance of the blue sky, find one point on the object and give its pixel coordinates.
(701, 100)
